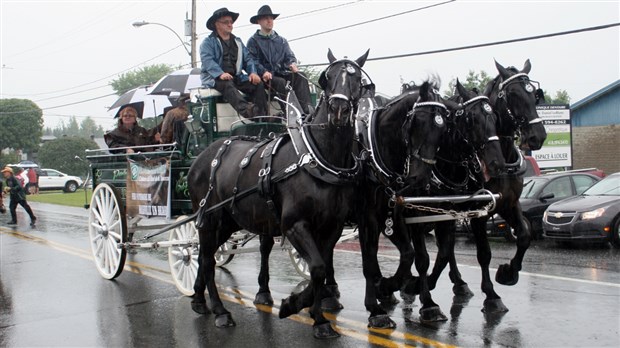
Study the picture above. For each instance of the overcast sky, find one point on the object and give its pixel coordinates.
(67, 52)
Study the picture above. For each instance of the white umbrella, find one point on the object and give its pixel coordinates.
(147, 105)
(180, 81)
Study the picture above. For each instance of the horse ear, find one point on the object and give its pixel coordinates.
(424, 90)
(361, 60)
(502, 71)
(527, 67)
(330, 56)
(461, 90)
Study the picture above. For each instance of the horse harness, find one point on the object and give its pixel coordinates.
(309, 159)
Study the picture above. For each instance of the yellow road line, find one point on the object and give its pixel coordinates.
(348, 327)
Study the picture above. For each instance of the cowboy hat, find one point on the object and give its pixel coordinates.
(7, 169)
(265, 10)
(222, 12)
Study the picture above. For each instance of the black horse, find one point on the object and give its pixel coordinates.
(514, 99)
(402, 138)
(468, 150)
(298, 185)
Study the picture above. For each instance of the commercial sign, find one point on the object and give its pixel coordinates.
(557, 150)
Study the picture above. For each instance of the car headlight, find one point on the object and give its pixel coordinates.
(593, 214)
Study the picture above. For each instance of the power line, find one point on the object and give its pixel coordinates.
(372, 20)
(494, 43)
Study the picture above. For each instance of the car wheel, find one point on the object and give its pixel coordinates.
(615, 233)
(71, 186)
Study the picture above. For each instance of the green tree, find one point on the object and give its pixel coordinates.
(561, 97)
(141, 77)
(21, 124)
(88, 127)
(60, 154)
(473, 80)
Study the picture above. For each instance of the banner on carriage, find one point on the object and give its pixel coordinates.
(148, 187)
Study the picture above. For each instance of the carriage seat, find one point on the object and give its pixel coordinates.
(226, 115)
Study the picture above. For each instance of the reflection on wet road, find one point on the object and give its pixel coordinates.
(52, 295)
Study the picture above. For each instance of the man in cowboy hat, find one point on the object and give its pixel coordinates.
(18, 196)
(224, 58)
(277, 64)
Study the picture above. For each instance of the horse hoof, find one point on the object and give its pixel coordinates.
(286, 309)
(224, 320)
(494, 306)
(263, 298)
(381, 321)
(200, 307)
(462, 290)
(325, 330)
(389, 300)
(331, 304)
(432, 314)
(506, 276)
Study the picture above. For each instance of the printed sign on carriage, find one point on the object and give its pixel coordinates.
(557, 150)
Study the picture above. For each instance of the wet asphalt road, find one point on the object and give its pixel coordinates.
(52, 295)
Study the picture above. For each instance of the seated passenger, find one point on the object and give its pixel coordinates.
(129, 133)
(225, 59)
(276, 62)
(172, 119)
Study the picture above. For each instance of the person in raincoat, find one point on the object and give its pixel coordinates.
(276, 62)
(17, 195)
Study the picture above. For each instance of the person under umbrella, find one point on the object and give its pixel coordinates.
(129, 133)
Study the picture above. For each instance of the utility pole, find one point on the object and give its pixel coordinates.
(190, 30)
(194, 37)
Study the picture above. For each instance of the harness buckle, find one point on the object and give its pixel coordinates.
(264, 171)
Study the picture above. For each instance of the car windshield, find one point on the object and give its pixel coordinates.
(531, 186)
(610, 186)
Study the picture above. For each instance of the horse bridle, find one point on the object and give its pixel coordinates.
(501, 94)
(438, 119)
(487, 107)
(348, 69)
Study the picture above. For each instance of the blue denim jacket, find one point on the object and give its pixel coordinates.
(211, 57)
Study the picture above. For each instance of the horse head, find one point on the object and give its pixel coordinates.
(514, 97)
(425, 127)
(343, 86)
(475, 120)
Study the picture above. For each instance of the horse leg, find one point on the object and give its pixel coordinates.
(263, 296)
(209, 242)
(508, 274)
(446, 241)
(369, 245)
(331, 302)
(300, 237)
(493, 303)
(430, 311)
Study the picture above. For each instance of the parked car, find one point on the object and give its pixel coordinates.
(496, 227)
(538, 193)
(594, 215)
(541, 191)
(51, 179)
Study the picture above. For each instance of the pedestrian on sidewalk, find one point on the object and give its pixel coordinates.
(17, 195)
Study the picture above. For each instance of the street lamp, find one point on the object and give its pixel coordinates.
(139, 24)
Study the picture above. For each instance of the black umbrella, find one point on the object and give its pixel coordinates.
(180, 81)
(146, 104)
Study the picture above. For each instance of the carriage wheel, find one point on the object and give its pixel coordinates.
(107, 228)
(301, 266)
(221, 258)
(184, 259)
